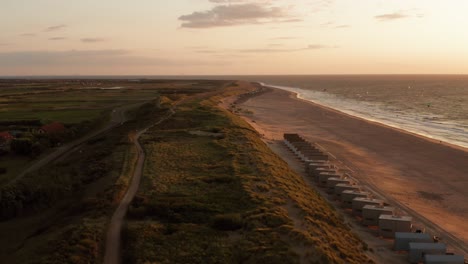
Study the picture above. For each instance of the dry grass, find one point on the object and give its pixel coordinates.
(228, 200)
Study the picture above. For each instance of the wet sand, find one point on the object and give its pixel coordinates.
(427, 179)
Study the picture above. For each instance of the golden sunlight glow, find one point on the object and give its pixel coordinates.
(238, 37)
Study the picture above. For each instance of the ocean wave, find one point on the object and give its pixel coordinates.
(429, 125)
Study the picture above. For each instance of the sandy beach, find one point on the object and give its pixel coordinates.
(425, 178)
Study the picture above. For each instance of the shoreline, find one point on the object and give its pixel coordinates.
(427, 136)
(407, 183)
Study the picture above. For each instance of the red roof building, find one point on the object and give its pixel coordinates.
(53, 128)
(5, 136)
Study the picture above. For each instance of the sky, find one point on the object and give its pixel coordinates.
(233, 37)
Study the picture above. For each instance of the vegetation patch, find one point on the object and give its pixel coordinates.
(227, 200)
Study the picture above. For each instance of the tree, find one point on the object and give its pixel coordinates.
(21, 146)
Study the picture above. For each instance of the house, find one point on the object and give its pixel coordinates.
(52, 128)
(5, 139)
(5, 136)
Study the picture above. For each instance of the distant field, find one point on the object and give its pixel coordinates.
(74, 101)
(69, 116)
(70, 105)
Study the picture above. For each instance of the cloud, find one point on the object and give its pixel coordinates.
(77, 58)
(316, 46)
(283, 38)
(207, 51)
(55, 28)
(326, 24)
(237, 14)
(320, 5)
(37, 58)
(342, 26)
(391, 16)
(57, 38)
(92, 40)
(271, 48)
(332, 24)
(283, 50)
(227, 1)
(28, 35)
(275, 45)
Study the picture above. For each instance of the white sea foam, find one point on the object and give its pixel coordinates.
(431, 126)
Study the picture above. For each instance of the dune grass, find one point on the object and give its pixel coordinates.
(227, 200)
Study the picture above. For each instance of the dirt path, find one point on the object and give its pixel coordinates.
(113, 240)
(425, 178)
(117, 118)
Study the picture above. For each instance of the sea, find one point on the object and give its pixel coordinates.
(434, 106)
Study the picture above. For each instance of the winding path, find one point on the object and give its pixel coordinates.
(113, 239)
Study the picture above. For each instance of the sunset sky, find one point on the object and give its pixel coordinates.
(210, 37)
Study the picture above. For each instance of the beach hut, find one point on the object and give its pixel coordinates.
(324, 175)
(310, 166)
(390, 224)
(443, 259)
(371, 214)
(347, 197)
(359, 202)
(341, 187)
(417, 251)
(318, 170)
(333, 181)
(402, 240)
(314, 173)
(311, 155)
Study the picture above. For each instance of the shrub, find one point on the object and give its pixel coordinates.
(22, 146)
(227, 222)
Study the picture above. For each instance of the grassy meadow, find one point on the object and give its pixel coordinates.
(59, 214)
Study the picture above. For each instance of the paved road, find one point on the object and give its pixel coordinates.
(112, 254)
(117, 118)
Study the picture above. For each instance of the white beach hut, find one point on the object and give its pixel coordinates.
(443, 259)
(371, 213)
(390, 224)
(312, 165)
(358, 203)
(402, 240)
(417, 251)
(347, 197)
(325, 175)
(333, 181)
(341, 187)
(316, 168)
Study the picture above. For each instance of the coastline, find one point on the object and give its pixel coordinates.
(378, 119)
(376, 122)
(417, 172)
